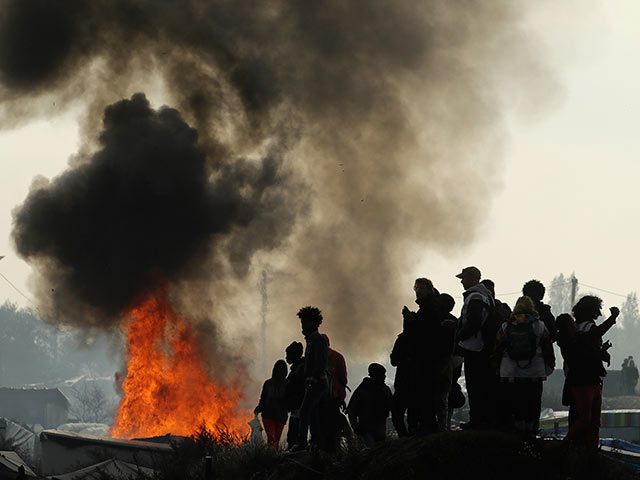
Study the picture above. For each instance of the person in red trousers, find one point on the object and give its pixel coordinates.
(273, 405)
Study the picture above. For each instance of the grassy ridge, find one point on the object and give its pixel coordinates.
(455, 455)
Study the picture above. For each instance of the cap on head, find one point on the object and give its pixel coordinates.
(376, 370)
(470, 272)
(295, 349)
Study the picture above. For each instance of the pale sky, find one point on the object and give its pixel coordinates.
(569, 182)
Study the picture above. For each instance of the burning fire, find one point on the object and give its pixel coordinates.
(167, 388)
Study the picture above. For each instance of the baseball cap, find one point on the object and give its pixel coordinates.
(469, 272)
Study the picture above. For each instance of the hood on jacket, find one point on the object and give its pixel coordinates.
(481, 289)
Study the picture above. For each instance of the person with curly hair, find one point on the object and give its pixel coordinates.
(315, 376)
(584, 353)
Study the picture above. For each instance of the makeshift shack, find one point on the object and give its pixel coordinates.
(48, 407)
(64, 452)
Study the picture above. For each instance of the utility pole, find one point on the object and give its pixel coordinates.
(265, 304)
(574, 289)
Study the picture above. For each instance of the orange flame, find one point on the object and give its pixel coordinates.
(167, 388)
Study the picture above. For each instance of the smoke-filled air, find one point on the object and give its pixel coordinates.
(330, 143)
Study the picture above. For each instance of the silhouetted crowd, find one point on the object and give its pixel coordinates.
(506, 355)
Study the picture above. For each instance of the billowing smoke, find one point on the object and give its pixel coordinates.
(380, 125)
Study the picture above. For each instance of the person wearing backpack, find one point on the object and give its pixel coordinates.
(471, 345)
(337, 377)
(273, 405)
(525, 352)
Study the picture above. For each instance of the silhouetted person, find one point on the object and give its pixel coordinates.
(585, 312)
(369, 406)
(337, 375)
(21, 473)
(534, 289)
(443, 361)
(402, 388)
(633, 377)
(526, 356)
(294, 389)
(583, 355)
(315, 375)
(477, 370)
(499, 313)
(273, 405)
(430, 345)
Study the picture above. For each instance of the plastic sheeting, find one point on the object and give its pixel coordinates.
(19, 439)
(112, 468)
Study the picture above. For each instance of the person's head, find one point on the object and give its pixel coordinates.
(566, 328)
(293, 352)
(625, 362)
(632, 363)
(447, 302)
(489, 286)
(469, 277)
(310, 318)
(524, 305)
(423, 287)
(377, 372)
(279, 371)
(534, 289)
(588, 308)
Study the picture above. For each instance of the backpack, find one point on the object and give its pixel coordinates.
(522, 342)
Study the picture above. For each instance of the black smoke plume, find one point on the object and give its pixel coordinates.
(391, 114)
(138, 213)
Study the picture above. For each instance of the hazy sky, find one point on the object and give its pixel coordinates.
(567, 199)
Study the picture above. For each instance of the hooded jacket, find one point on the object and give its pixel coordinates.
(475, 311)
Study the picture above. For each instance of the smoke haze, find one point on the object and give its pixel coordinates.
(331, 141)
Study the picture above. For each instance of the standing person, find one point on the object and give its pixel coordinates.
(499, 313)
(273, 405)
(369, 406)
(402, 386)
(294, 389)
(534, 289)
(315, 376)
(583, 382)
(523, 345)
(337, 376)
(587, 370)
(444, 364)
(471, 343)
(633, 376)
(430, 344)
(624, 377)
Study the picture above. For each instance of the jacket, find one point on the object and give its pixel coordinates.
(316, 358)
(370, 403)
(475, 311)
(273, 403)
(294, 385)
